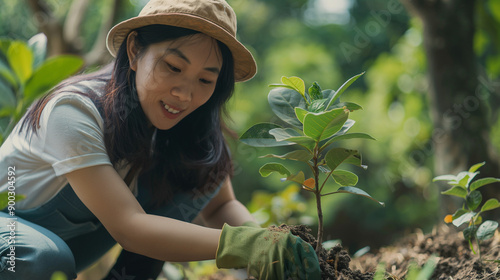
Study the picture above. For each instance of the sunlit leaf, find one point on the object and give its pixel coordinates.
(271, 167)
(296, 83)
(320, 126)
(490, 204)
(482, 182)
(475, 167)
(300, 113)
(20, 60)
(345, 178)
(456, 191)
(486, 230)
(50, 73)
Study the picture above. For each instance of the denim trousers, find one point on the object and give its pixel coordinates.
(63, 235)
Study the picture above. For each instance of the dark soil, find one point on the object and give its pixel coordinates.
(455, 260)
(334, 263)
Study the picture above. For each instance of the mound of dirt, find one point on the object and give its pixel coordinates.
(455, 259)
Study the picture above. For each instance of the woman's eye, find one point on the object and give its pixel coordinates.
(173, 68)
(204, 81)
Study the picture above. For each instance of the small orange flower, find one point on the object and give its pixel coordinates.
(448, 219)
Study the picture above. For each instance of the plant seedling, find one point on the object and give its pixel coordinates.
(464, 187)
(315, 120)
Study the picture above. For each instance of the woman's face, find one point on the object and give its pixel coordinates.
(174, 78)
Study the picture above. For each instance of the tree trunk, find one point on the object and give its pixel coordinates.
(458, 106)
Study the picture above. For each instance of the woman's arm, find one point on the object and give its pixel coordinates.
(103, 191)
(224, 208)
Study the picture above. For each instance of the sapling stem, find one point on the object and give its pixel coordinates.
(317, 192)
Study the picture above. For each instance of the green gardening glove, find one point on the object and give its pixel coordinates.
(267, 254)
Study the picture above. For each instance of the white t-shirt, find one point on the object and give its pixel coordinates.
(70, 137)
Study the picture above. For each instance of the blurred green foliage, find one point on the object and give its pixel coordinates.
(300, 38)
(25, 75)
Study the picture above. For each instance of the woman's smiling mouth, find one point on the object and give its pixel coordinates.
(169, 111)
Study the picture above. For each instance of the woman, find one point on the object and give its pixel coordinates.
(133, 153)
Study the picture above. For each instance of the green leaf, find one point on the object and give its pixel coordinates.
(473, 200)
(317, 105)
(475, 167)
(465, 218)
(4, 45)
(283, 102)
(324, 125)
(8, 75)
(20, 60)
(342, 89)
(271, 167)
(50, 73)
(459, 213)
(348, 136)
(463, 179)
(7, 96)
(345, 178)
(356, 191)
(258, 136)
(300, 113)
(280, 86)
(315, 92)
(482, 182)
(486, 230)
(470, 232)
(456, 191)
(349, 106)
(445, 178)
(282, 134)
(299, 178)
(490, 204)
(299, 155)
(38, 45)
(337, 156)
(296, 83)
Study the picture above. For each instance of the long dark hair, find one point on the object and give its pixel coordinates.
(190, 156)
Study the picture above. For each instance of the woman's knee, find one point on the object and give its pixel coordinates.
(28, 251)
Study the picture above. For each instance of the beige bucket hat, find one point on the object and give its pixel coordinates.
(214, 18)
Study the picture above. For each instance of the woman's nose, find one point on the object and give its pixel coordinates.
(183, 92)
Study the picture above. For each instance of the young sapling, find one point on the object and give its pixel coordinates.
(464, 187)
(315, 119)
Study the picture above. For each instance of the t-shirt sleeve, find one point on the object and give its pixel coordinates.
(73, 135)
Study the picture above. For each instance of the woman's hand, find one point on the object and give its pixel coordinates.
(267, 253)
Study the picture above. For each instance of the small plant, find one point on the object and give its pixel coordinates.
(316, 119)
(464, 187)
(25, 75)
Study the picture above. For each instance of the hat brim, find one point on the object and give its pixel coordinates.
(244, 63)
